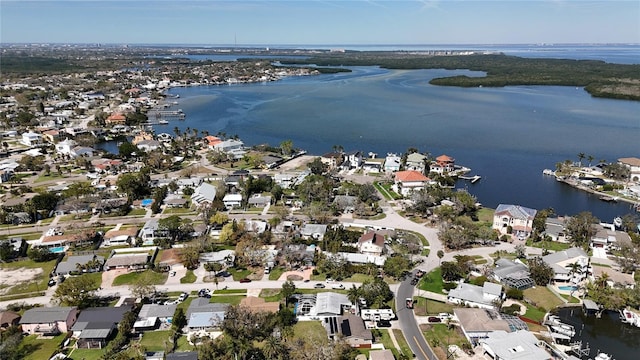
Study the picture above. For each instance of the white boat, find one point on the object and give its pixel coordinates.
(629, 317)
(548, 172)
(564, 330)
(603, 356)
(617, 222)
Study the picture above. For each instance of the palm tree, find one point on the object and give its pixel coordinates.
(353, 294)
(590, 158)
(274, 348)
(581, 157)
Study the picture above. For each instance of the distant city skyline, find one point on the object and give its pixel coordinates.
(351, 22)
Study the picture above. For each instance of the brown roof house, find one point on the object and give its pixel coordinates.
(371, 243)
(351, 328)
(8, 318)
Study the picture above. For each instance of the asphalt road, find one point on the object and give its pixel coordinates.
(408, 323)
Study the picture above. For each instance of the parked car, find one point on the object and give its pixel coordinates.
(434, 319)
(51, 282)
(204, 293)
(172, 273)
(319, 286)
(183, 297)
(337, 286)
(245, 280)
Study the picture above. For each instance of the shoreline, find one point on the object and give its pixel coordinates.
(575, 185)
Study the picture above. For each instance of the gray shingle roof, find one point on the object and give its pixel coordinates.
(45, 315)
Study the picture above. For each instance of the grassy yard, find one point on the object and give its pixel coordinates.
(432, 306)
(38, 283)
(271, 295)
(41, 348)
(178, 211)
(438, 336)
(227, 299)
(183, 345)
(310, 330)
(402, 342)
(359, 278)
(549, 245)
(137, 212)
(132, 277)
(155, 340)
(485, 215)
(432, 281)
(276, 272)
(239, 274)
(188, 278)
(86, 354)
(542, 297)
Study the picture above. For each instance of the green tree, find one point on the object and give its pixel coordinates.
(179, 319)
(396, 265)
(135, 185)
(440, 254)
(581, 228)
(143, 287)
(540, 272)
(317, 167)
(77, 291)
(286, 147)
(288, 289)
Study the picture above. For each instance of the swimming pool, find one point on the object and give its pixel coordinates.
(57, 249)
(568, 288)
(146, 202)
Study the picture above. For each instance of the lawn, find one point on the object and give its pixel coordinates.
(38, 283)
(137, 212)
(132, 277)
(276, 272)
(432, 307)
(239, 274)
(188, 278)
(432, 281)
(271, 295)
(359, 278)
(485, 215)
(549, 245)
(183, 345)
(310, 330)
(227, 299)
(86, 354)
(402, 342)
(542, 297)
(155, 340)
(438, 336)
(41, 348)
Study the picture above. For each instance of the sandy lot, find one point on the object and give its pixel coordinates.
(297, 163)
(9, 278)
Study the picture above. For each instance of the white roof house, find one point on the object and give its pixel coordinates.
(476, 296)
(519, 345)
(562, 263)
(232, 200)
(203, 194)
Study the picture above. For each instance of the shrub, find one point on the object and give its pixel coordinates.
(514, 293)
(449, 285)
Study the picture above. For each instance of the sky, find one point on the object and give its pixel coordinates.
(320, 22)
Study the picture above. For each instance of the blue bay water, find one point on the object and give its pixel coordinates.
(506, 135)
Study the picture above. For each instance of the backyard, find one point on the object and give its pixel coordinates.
(155, 278)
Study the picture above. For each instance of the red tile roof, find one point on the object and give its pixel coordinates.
(372, 237)
(410, 176)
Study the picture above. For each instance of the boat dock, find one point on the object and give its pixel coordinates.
(166, 114)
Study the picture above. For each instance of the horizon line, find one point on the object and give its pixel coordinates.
(334, 45)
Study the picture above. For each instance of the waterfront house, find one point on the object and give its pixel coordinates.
(372, 165)
(371, 243)
(116, 119)
(392, 163)
(148, 145)
(416, 162)
(633, 164)
(332, 159)
(476, 296)
(555, 228)
(49, 320)
(446, 163)
(477, 324)
(228, 146)
(518, 345)
(512, 274)
(571, 265)
(514, 219)
(409, 181)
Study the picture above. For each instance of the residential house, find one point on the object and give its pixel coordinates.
(131, 258)
(232, 201)
(95, 325)
(512, 274)
(633, 164)
(385, 354)
(555, 228)
(212, 141)
(120, 237)
(175, 201)
(51, 136)
(148, 145)
(477, 324)
(346, 203)
(571, 265)
(330, 304)
(371, 243)
(352, 160)
(150, 231)
(8, 319)
(409, 181)
(514, 219)
(255, 226)
(258, 200)
(187, 355)
(49, 320)
(224, 257)
(443, 164)
(204, 317)
(228, 146)
(615, 278)
(416, 162)
(476, 296)
(204, 194)
(350, 328)
(116, 119)
(313, 231)
(372, 165)
(392, 163)
(184, 183)
(154, 316)
(332, 159)
(356, 258)
(79, 264)
(64, 147)
(518, 345)
(608, 238)
(31, 139)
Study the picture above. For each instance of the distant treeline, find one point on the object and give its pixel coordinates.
(600, 79)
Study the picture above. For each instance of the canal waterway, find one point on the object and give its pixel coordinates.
(606, 334)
